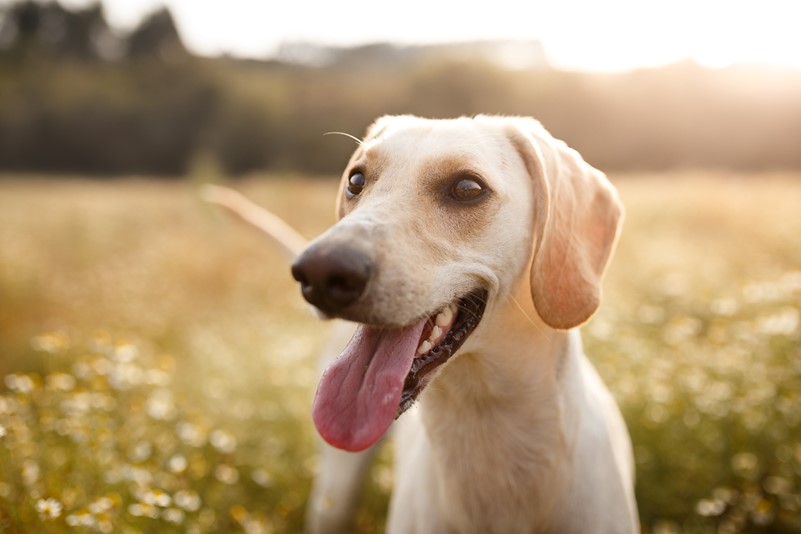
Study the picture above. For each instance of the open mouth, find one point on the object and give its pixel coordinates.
(443, 334)
(383, 370)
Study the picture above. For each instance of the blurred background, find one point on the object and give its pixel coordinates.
(112, 89)
(158, 363)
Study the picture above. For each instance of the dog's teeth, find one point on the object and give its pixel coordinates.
(444, 317)
(435, 333)
(442, 320)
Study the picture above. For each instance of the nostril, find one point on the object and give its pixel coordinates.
(340, 282)
(346, 283)
(332, 277)
(298, 274)
(344, 289)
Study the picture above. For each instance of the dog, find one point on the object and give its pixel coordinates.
(467, 252)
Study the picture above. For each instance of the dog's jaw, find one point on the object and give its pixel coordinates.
(467, 315)
(383, 369)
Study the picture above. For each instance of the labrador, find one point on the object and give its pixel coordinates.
(466, 254)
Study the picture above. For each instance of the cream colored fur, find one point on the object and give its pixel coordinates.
(516, 433)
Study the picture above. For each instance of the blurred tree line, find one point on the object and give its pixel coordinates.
(76, 96)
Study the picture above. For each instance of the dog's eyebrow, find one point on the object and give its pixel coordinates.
(451, 166)
(358, 141)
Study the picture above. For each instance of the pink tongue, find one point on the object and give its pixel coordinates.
(359, 393)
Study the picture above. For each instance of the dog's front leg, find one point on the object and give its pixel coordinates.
(335, 493)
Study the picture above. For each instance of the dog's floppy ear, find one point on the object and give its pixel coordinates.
(577, 215)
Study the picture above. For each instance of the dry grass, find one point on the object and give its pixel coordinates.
(158, 362)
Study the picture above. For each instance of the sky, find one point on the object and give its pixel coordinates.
(610, 35)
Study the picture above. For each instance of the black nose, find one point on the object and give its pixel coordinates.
(332, 277)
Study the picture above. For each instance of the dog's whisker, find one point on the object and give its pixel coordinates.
(523, 311)
(470, 302)
(358, 141)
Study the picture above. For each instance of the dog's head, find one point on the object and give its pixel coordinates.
(439, 219)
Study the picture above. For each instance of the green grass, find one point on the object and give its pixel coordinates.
(157, 363)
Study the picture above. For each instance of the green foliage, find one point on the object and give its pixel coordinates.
(699, 338)
(190, 423)
(158, 364)
(100, 442)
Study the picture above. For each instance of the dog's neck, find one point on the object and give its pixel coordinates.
(519, 407)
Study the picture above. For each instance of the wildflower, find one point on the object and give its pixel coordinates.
(104, 525)
(250, 524)
(140, 452)
(382, 476)
(20, 383)
(103, 402)
(191, 434)
(143, 510)
(81, 519)
(101, 367)
(177, 463)
(157, 497)
(746, 465)
(710, 507)
(82, 370)
(30, 472)
(101, 505)
(188, 500)
(48, 509)
(725, 494)
(777, 485)
(160, 405)
(174, 515)
(784, 322)
(51, 342)
(765, 292)
(255, 526)
(262, 478)
(763, 513)
(223, 441)
(60, 382)
(125, 375)
(125, 353)
(226, 474)
(138, 475)
(76, 404)
(7, 405)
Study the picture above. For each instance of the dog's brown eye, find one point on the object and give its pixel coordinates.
(467, 189)
(355, 184)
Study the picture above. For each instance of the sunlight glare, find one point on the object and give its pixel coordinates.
(577, 34)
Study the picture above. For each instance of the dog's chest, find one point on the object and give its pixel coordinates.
(494, 474)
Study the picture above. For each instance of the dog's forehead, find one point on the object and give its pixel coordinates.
(437, 146)
(434, 136)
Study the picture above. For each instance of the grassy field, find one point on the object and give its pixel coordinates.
(157, 363)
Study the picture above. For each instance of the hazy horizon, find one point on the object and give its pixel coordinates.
(576, 35)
